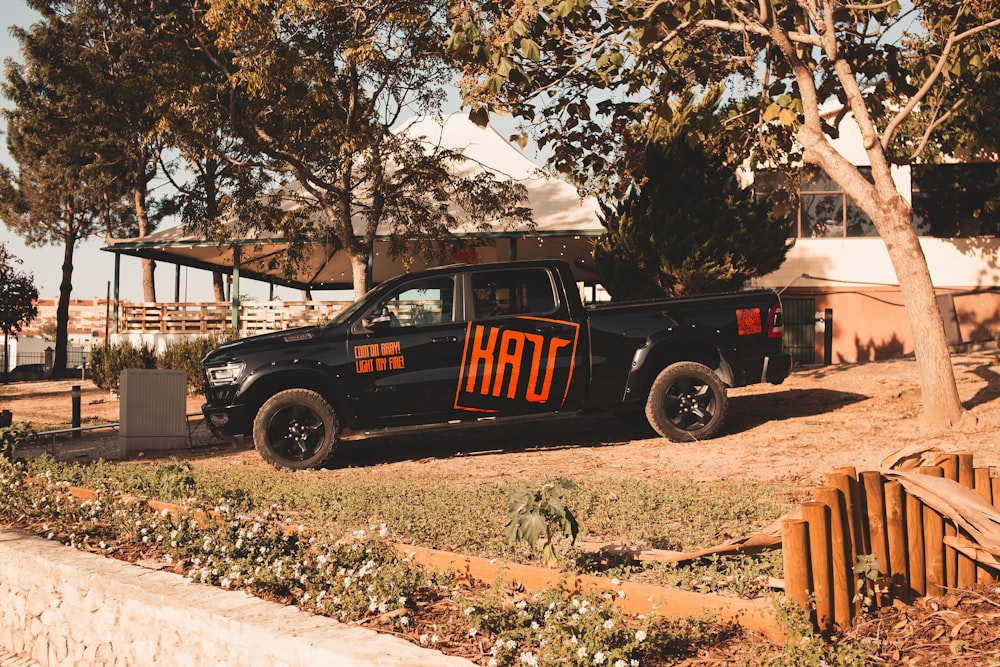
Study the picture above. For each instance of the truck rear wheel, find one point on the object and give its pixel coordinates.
(687, 402)
(296, 429)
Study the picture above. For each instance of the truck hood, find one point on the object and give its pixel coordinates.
(273, 340)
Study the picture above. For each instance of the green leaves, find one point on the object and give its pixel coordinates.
(14, 437)
(537, 511)
(530, 49)
(786, 110)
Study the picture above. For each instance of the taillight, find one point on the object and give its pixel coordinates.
(775, 322)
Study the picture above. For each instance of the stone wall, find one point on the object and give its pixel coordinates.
(60, 606)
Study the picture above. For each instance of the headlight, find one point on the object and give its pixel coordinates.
(219, 376)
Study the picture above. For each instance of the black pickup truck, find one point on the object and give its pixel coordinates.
(478, 343)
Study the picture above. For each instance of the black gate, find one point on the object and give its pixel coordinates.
(800, 329)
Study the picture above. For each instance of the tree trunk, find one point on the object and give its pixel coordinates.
(893, 218)
(941, 402)
(148, 265)
(359, 274)
(62, 310)
(218, 286)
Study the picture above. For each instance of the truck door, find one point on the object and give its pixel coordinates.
(522, 353)
(407, 351)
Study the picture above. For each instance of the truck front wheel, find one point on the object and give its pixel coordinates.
(687, 402)
(297, 429)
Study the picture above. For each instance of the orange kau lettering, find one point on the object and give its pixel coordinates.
(496, 359)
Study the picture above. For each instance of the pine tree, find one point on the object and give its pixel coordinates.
(685, 226)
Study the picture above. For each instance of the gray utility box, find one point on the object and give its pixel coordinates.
(153, 410)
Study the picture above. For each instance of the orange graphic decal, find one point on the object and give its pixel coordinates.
(375, 357)
(748, 321)
(516, 363)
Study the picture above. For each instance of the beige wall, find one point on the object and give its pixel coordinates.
(855, 278)
(870, 324)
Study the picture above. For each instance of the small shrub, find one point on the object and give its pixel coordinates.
(186, 355)
(14, 437)
(537, 511)
(109, 360)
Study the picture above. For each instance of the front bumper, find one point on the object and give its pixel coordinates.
(227, 421)
(776, 368)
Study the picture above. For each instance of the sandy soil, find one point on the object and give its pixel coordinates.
(821, 418)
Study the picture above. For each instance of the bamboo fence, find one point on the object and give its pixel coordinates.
(870, 539)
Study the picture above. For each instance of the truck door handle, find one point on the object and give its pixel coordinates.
(548, 329)
(445, 339)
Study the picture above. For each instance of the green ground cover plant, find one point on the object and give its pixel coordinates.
(473, 518)
(307, 539)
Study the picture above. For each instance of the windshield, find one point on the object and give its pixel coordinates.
(347, 313)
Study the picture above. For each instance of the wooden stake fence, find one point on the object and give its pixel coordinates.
(854, 517)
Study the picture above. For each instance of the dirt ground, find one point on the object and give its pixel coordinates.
(819, 419)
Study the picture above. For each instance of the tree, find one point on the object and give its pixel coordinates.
(314, 90)
(126, 70)
(784, 61)
(60, 193)
(18, 301)
(685, 225)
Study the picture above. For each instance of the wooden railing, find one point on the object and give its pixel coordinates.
(254, 316)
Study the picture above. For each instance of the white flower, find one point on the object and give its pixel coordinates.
(581, 652)
(621, 663)
(510, 645)
(528, 658)
(598, 658)
(608, 624)
(615, 582)
(469, 610)
(423, 639)
(472, 632)
(640, 635)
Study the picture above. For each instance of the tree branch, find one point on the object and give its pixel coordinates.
(932, 78)
(793, 35)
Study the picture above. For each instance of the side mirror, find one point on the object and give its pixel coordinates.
(381, 319)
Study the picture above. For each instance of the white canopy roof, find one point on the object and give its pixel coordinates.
(565, 223)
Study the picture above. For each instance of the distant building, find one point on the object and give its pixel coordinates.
(87, 320)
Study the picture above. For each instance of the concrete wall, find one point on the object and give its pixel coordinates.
(60, 606)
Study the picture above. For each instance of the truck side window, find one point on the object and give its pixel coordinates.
(420, 303)
(512, 292)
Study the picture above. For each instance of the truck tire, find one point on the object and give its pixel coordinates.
(687, 402)
(296, 429)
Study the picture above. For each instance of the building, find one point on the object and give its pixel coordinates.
(839, 265)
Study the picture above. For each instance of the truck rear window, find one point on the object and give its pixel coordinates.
(513, 292)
